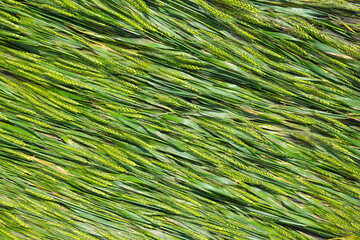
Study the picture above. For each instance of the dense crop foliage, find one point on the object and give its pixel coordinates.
(179, 119)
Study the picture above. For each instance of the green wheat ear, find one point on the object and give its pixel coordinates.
(196, 119)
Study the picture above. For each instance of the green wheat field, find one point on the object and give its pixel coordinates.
(179, 119)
